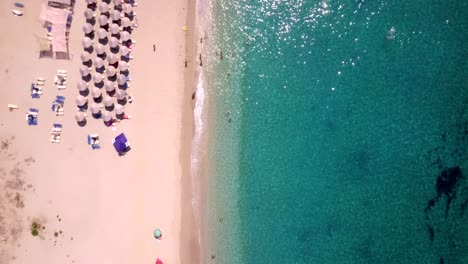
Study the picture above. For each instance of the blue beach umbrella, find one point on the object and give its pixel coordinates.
(122, 145)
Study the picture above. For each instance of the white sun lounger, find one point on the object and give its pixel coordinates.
(17, 12)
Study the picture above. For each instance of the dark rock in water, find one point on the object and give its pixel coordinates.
(441, 261)
(447, 181)
(446, 185)
(430, 229)
(463, 207)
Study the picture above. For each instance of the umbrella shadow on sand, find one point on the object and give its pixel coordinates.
(97, 115)
(122, 102)
(90, 35)
(86, 78)
(99, 85)
(91, 21)
(104, 41)
(82, 123)
(102, 56)
(123, 86)
(85, 93)
(101, 70)
(115, 50)
(125, 73)
(84, 107)
(90, 49)
(88, 63)
(98, 100)
(110, 108)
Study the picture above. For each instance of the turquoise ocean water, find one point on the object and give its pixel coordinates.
(339, 131)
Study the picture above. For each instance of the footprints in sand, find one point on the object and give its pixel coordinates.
(13, 186)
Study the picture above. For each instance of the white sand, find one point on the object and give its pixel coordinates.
(108, 206)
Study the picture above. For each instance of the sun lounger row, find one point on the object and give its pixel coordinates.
(31, 116)
(36, 88)
(58, 105)
(61, 79)
(55, 134)
(93, 141)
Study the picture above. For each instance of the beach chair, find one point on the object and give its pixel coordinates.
(31, 119)
(17, 12)
(34, 110)
(36, 87)
(18, 4)
(57, 125)
(11, 107)
(60, 102)
(96, 147)
(35, 95)
(61, 98)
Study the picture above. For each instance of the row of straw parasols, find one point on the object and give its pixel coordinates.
(113, 43)
(114, 28)
(109, 22)
(106, 116)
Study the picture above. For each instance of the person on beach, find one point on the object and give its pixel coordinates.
(154, 48)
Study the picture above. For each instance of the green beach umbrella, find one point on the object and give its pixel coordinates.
(157, 233)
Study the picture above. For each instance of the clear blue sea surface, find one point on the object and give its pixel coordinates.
(340, 131)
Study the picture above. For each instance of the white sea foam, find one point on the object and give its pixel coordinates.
(200, 122)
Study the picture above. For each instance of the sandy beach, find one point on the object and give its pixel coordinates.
(93, 206)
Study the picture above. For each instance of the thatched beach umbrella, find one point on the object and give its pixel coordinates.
(84, 71)
(124, 51)
(87, 28)
(101, 33)
(123, 66)
(96, 92)
(100, 49)
(86, 42)
(112, 58)
(103, 8)
(119, 109)
(85, 56)
(107, 116)
(109, 86)
(127, 8)
(111, 71)
(121, 79)
(120, 94)
(80, 116)
(103, 20)
(115, 15)
(80, 100)
(126, 22)
(117, 2)
(88, 13)
(98, 63)
(97, 77)
(108, 101)
(94, 108)
(114, 29)
(125, 36)
(82, 86)
(113, 42)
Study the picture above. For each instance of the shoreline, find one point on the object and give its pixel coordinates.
(190, 248)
